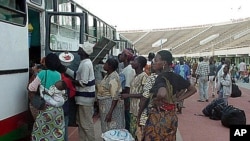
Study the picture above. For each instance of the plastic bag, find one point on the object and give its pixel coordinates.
(117, 135)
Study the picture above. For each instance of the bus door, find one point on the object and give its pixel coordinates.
(34, 35)
(65, 31)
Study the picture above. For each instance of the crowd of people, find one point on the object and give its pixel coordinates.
(139, 94)
(120, 104)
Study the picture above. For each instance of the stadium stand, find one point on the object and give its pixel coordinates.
(232, 39)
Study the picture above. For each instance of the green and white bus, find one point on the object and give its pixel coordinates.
(30, 29)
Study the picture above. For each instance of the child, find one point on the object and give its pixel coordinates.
(56, 94)
(246, 78)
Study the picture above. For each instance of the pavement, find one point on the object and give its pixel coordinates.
(192, 126)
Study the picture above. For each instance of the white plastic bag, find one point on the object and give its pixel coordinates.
(117, 135)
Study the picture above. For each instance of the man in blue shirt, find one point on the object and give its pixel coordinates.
(183, 70)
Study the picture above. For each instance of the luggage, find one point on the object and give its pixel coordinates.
(213, 110)
(217, 111)
(117, 135)
(236, 92)
(233, 116)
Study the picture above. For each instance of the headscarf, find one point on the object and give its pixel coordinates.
(129, 53)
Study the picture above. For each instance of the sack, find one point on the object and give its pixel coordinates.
(236, 92)
(233, 116)
(37, 101)
(117, 135)
(207, 111)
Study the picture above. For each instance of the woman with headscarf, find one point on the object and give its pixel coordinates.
(168, 89)
(49, 123)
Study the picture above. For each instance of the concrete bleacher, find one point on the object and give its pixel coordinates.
(186, 40)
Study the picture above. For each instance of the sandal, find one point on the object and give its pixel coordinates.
(200, 100)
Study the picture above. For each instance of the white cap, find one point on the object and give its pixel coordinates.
(87, 47)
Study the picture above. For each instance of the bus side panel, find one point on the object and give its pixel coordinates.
(15, 127)
(14, 46)
(14, 75)
(13, 95)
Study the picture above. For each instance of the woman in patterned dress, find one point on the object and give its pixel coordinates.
(136, 90)
(49, 123)
(111, 108)
(168, 89)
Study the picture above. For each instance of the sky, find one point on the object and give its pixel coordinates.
(157, 14)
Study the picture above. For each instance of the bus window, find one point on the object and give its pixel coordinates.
(101, 29)
(92, 26)
(49, 5)
(65, 34)
(79, 10)
(114, 34)
(104, 30)
(38, 2)
(85, 26)
(64, 7)
(13, 11)
(109, 32)
(95, 27)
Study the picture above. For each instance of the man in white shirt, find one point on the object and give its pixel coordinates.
(85, 92)
(128, 73)
(242, 69)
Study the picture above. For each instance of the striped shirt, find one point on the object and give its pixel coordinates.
(85, 94)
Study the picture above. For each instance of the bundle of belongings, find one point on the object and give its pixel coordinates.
(117, 135)
(228, 114)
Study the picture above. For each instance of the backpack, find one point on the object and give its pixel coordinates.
(236, 92)
(233, 116)
(213, 109)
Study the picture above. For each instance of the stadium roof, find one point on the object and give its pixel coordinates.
(220, 39)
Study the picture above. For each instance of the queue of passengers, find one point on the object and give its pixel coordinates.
(131, 99)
